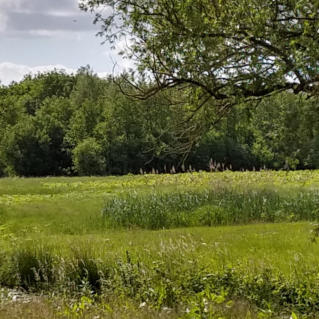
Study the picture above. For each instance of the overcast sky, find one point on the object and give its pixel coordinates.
(40, 35)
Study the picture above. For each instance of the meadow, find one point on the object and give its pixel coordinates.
(193, 245)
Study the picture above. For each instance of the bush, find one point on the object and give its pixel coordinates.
(88, 158)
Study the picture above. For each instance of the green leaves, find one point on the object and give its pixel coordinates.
(88, 158)
(232, 50)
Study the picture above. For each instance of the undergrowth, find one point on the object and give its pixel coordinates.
(194, 290)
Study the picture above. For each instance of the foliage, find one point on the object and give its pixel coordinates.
(23, 150)
(88, 158)
(226, 51)
(44, 119)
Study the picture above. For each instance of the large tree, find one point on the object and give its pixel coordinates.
(228, 51)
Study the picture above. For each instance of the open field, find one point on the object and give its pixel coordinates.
(200, 245)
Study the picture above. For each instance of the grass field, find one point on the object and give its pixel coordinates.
(195, 245)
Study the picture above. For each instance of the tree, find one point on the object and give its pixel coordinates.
(285, 129)
(226, 51)
(23, 151)
(88, 158)
(34, 116)
(52, 122)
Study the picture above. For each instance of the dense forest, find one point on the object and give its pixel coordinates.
(59, 124)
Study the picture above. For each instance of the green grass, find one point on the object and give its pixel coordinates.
(134, 243)
(74, 205)
(210, 207)
(259, 263)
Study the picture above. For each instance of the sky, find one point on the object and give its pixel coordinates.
(42, 35)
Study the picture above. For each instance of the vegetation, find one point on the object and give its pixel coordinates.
(216, 241)
(223, 51)
(58, 124)
(76, 247)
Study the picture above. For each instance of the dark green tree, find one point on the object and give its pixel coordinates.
(88, 158)
(23, 151)
(285, 129)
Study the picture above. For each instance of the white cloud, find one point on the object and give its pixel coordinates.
(15, 72)
(50, 34)
(20, 17)
(10, 72)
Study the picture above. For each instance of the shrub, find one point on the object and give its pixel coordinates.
(88, 158)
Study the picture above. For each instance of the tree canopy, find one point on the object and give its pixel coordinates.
(228, 51)
(57, 124)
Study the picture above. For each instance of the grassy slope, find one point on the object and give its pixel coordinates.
(63, 215)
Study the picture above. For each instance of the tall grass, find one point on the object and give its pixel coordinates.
(173, 281)
(221, 206)
(53, 241)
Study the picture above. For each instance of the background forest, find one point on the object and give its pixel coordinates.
(59, 124)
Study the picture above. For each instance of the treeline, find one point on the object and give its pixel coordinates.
(59, 124)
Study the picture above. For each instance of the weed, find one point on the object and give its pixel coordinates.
(34, 268)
